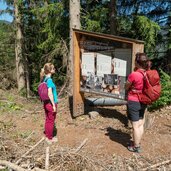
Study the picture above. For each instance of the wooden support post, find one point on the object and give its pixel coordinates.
(78, 97)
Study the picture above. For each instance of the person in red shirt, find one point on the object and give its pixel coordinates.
(135, 109)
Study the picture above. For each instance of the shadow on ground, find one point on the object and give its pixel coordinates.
(118, 136)
(110, 113)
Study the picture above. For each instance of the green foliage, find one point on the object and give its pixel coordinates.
(23, 92)
(45, 27)
(11, 106)
(51, 24)
(46, 33)
(25, 134)
(96, 19)
(4, 169)
(165, 98)
(170, 38)
(35, 85)
(92, 25)
(7, 53)
(125, 26)
(145, 29)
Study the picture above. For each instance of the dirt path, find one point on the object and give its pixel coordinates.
(107, 134)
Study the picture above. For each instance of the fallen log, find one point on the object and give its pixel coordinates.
(11, 165)
(29, 136)
(80, 146)
(156, 165)
(32, 148)
(15, 167)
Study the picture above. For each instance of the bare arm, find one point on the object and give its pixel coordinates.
(128, 85)
(50, 94)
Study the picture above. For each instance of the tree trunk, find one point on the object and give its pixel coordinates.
(113, 20)
(27, 78)
(18, 49)
(74, 23)
(169, 47)
(46, 3)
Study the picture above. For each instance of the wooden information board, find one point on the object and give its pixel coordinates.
(101, 65)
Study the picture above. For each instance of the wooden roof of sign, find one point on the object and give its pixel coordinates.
(108, 36)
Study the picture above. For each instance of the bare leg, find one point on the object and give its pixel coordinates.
(136, 133)
(141, 127)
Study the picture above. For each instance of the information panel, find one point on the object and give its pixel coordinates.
(101, 65)
(105, 65)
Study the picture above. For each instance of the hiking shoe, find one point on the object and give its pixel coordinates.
(130, 143)
(134, 149)
(48, 141)
(54, 139)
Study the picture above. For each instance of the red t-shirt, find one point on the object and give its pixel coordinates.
(136, 78)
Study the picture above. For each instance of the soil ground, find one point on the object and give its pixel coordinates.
(107, 133)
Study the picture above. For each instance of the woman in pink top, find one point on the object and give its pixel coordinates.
(136, 109)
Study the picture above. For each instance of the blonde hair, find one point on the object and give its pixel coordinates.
(47, 68)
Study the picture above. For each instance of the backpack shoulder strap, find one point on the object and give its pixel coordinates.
(143, 72)
(145, 77)
(45, 80)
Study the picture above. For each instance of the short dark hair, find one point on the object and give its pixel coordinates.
(142, 60)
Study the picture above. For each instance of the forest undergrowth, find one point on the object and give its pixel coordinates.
(82, 145)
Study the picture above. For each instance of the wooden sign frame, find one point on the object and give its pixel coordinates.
(78, 95)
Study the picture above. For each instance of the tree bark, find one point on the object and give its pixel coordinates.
(74, 23)
(113, 20)
(169, 48)
(27, 75)
(18, 49)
